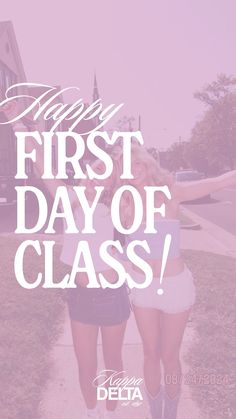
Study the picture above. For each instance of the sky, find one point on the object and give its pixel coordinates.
(151, 55)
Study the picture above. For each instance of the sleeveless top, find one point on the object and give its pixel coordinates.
(103, 226)
(156, 240)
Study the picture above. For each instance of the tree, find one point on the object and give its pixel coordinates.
(126, 123)
(154, 152)
(214, 137)
(174, 159)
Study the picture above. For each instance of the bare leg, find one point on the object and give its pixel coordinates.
(112, 340)
(148, 322)
(85, 346)
(172, 330)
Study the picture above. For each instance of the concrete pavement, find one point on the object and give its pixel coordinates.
(220, 210)
(216, 239)
(62, 397)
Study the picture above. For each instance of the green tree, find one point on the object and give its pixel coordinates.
(154, 152)
(126, 123)
(213, 138)
(174, 158)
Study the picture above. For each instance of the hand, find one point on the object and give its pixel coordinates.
(11, 110)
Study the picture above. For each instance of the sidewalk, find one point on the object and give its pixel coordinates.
(63, 399)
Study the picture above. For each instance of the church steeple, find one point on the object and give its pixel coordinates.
(96, 95)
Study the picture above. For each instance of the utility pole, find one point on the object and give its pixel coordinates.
(139, 122)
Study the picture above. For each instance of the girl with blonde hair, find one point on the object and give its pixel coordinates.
(162, 310)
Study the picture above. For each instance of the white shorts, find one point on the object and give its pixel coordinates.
(178, 296)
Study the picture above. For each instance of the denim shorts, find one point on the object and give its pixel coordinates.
(98, 306)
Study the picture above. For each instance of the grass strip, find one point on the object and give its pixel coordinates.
(29, 324)
(213, 355)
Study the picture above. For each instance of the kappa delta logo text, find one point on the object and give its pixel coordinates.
(113, 385)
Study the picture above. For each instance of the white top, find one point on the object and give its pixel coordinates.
(103, 226)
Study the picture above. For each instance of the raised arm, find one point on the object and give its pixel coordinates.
(189, 191)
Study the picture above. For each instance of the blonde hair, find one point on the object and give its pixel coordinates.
(115, 182)
(155, 176)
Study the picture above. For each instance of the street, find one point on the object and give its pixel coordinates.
(221, 210)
